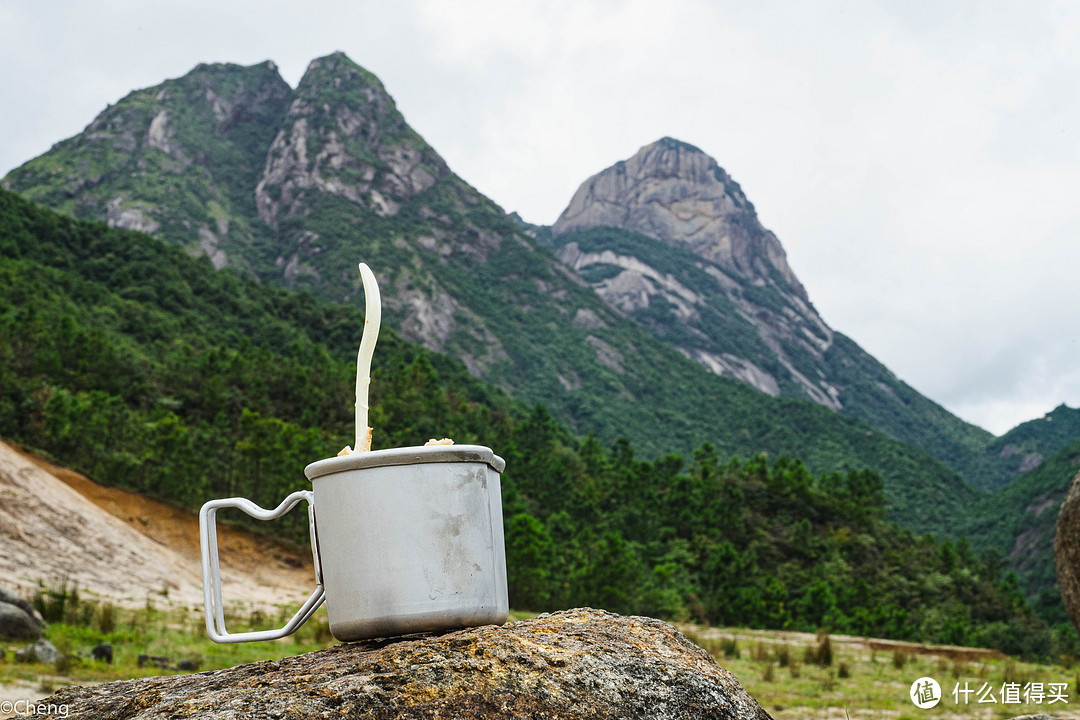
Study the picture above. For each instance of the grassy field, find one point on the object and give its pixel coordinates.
(170, 636)
(797, 675)
(792, 675)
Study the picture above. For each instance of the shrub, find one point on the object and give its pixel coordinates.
(822, 654)
(783, 655)
(106, 618)
(57, 603)
(768, 675)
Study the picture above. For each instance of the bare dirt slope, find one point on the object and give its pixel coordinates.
(57, 525)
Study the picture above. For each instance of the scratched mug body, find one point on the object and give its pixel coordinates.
(405, 540)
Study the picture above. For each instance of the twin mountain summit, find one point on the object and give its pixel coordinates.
(656, 308)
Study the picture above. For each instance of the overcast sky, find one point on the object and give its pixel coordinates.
(919, 161)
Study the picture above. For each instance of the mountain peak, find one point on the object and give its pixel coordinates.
(675, 192)
(341, 70)
(669, 143)
(177, 159)
(344, 136)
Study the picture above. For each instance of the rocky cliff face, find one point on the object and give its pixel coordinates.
(673, 191)
(573, 664)
(346, 178)
(670, 239)
(288, 185)
(343, 135)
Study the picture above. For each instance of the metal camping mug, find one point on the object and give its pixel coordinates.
(404, 540)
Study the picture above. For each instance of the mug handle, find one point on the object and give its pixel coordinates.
(215, 613)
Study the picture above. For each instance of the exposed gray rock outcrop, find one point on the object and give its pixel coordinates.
(360, 149)
(6, 596)
(18, 618)
(179, 160)
(16, 623)
(572, 664)
(727, 265)
(673, 191)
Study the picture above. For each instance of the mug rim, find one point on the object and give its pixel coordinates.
(405, 456)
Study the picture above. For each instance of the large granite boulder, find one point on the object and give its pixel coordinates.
(15, 623)
(573, 664)
(18, 601)
(18, 618)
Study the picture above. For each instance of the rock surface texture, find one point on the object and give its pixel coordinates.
(353, 144)
(15, 623)
(573, 664)
(18, 618)
(713, 281)
(673, 191)
(1067, 551)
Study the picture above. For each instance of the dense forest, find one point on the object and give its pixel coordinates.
(142, 367)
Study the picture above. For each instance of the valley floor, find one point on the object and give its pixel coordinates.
(143, 557)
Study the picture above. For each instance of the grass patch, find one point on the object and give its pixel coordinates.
(153, 640)
(863, 684)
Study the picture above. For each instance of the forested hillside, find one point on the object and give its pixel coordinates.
(294, 186)
(666, 399)
(727, 331)
(1020, 520)
(1029, 444)
(142, 367)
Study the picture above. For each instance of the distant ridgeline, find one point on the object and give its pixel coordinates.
(129, 360)
(671, 333)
